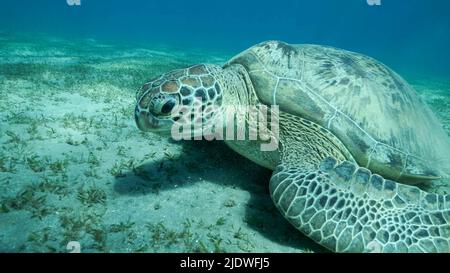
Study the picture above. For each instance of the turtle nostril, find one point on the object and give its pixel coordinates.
(167, 107)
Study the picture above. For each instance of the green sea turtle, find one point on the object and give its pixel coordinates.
(348, 128)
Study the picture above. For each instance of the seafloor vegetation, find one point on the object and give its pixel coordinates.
(74, 167)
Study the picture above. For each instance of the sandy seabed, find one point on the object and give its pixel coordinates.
(74, 167)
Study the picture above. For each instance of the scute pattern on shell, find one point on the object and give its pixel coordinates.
(370, 108)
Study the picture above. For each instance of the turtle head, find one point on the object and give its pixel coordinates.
(167, 98)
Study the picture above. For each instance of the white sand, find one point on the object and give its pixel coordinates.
(74, 167)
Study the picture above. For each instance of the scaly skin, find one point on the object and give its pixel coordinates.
(346, 208)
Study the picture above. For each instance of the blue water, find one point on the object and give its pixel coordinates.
(412, 36)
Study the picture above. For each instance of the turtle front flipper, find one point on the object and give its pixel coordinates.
(346, 208)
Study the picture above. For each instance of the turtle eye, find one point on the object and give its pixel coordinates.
(167, 107)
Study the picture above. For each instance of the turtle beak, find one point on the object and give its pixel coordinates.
(147, 122)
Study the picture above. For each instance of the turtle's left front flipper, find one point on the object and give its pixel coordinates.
(346, 208)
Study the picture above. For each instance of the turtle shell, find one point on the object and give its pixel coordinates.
(374, 112)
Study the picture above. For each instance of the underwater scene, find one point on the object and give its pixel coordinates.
(88, 162)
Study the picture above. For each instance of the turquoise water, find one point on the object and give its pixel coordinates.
(74, 167)
(412, 35)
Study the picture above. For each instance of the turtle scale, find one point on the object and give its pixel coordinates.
(378, 117)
